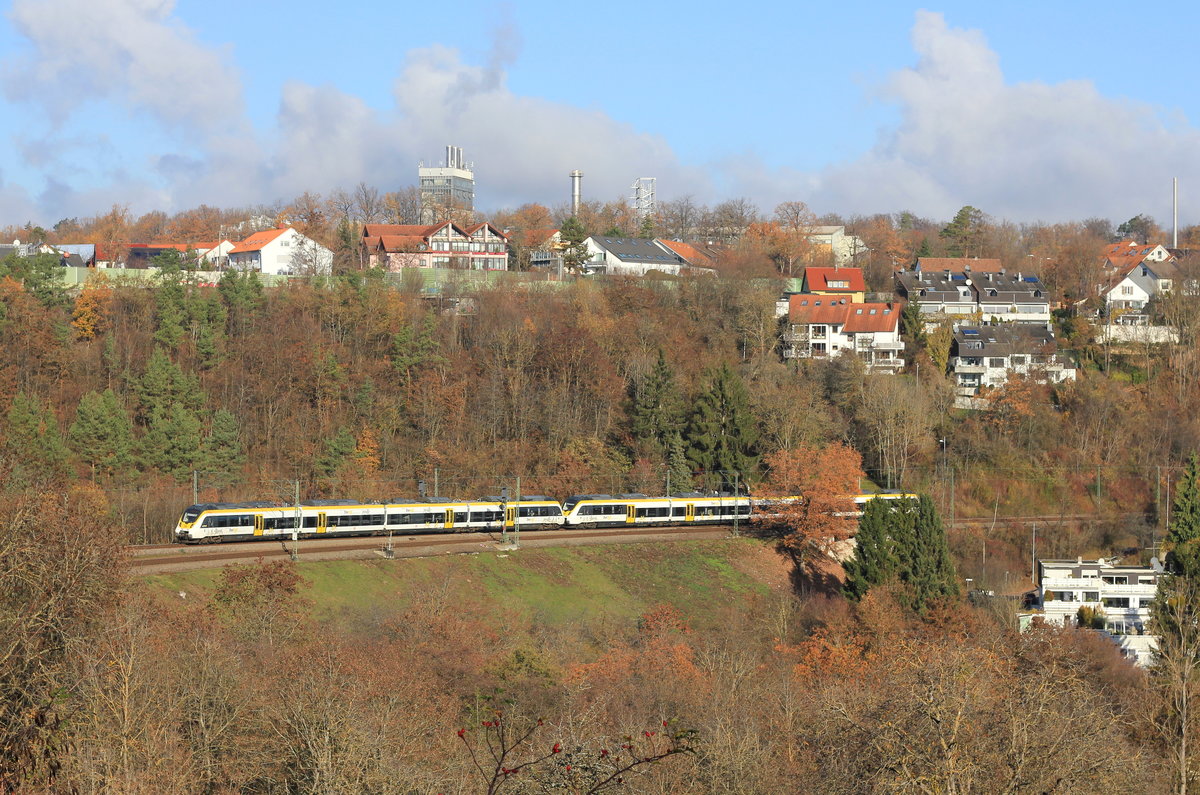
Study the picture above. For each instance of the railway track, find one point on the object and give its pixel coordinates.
(170, 558)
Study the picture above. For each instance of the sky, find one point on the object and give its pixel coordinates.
(1030, 111)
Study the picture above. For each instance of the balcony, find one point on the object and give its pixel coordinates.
(969, 369)
(1143, 590)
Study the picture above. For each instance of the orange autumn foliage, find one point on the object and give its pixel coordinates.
(818, 485)
(90, 316)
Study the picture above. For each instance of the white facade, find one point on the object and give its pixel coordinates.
(985, 356)
(284, 252)
(843, 248)
(1122, 593)
(630, 257)
(825, 327)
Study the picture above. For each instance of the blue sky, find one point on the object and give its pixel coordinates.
(1031, 111)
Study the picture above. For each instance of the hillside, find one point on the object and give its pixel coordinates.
(564, 585)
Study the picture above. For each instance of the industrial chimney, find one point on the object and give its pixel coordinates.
(576, 191)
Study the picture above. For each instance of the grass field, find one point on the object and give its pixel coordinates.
(545, 586)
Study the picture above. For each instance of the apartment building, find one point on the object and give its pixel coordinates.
(1122, 594)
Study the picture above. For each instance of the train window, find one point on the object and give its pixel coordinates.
(679, 510)
(743, 510)
(310, 521)
(376, 518)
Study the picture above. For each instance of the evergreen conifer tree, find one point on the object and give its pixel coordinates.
(33, 441)
(874, 560)
(677, 463)
(721, 431)
(165, 383)
(931, 572)
(575, 253)
(101, 434)
(223, 456)
(1183, 534)
(657, 409)
(170, 312)
(172, 442)
(338, 448)
(414, 346)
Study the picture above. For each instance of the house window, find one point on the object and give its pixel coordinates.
(997, 363)
(1091, 596)
(1116, 601)
(1016, 360)
(838, 284)
(1126, 289)
(1115, 580)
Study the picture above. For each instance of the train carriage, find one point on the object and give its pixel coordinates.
(632, 510)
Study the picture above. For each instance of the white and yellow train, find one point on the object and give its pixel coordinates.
(248, 521)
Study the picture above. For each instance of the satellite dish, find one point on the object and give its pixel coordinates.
(1156, 565)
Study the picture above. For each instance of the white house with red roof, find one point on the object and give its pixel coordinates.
(824, 326)
(282, 251)
(443, 245)
(1134, 273)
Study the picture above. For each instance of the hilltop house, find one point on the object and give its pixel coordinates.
(442, 245)
(631, 256)
(281, 251)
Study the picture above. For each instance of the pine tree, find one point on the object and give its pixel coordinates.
(165, 383)
(575, 252)
(927, 568)
(170, 314)
(912, 325)
(415, 346)
(964, 234)
(874, 561)
(677, 463)
(243, 296)
(721, 432)
(101, 434)
(923, 250)
(172, 442)
(338, 448)
(657, 408)
(1183, 535)
(223, 456)
(32, 440)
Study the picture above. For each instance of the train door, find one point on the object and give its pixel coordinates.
(449, 519)
(691, 512)
(321, 523)
(510, 516)
(630, 513)
(258, 524)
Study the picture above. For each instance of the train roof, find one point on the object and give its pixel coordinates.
(226, 506)
(578, 497)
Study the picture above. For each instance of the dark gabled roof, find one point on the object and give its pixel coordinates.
(1004, 340)
(633, 249)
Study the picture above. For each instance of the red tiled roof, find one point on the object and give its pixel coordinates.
(831, 310)
(418, 230)
(960, 264)
(400, 243)
(257, 241)
(689, 252)
(819, 278)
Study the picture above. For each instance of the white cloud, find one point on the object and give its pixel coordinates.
(966, 136)
(131, 51)
(1022, 151)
